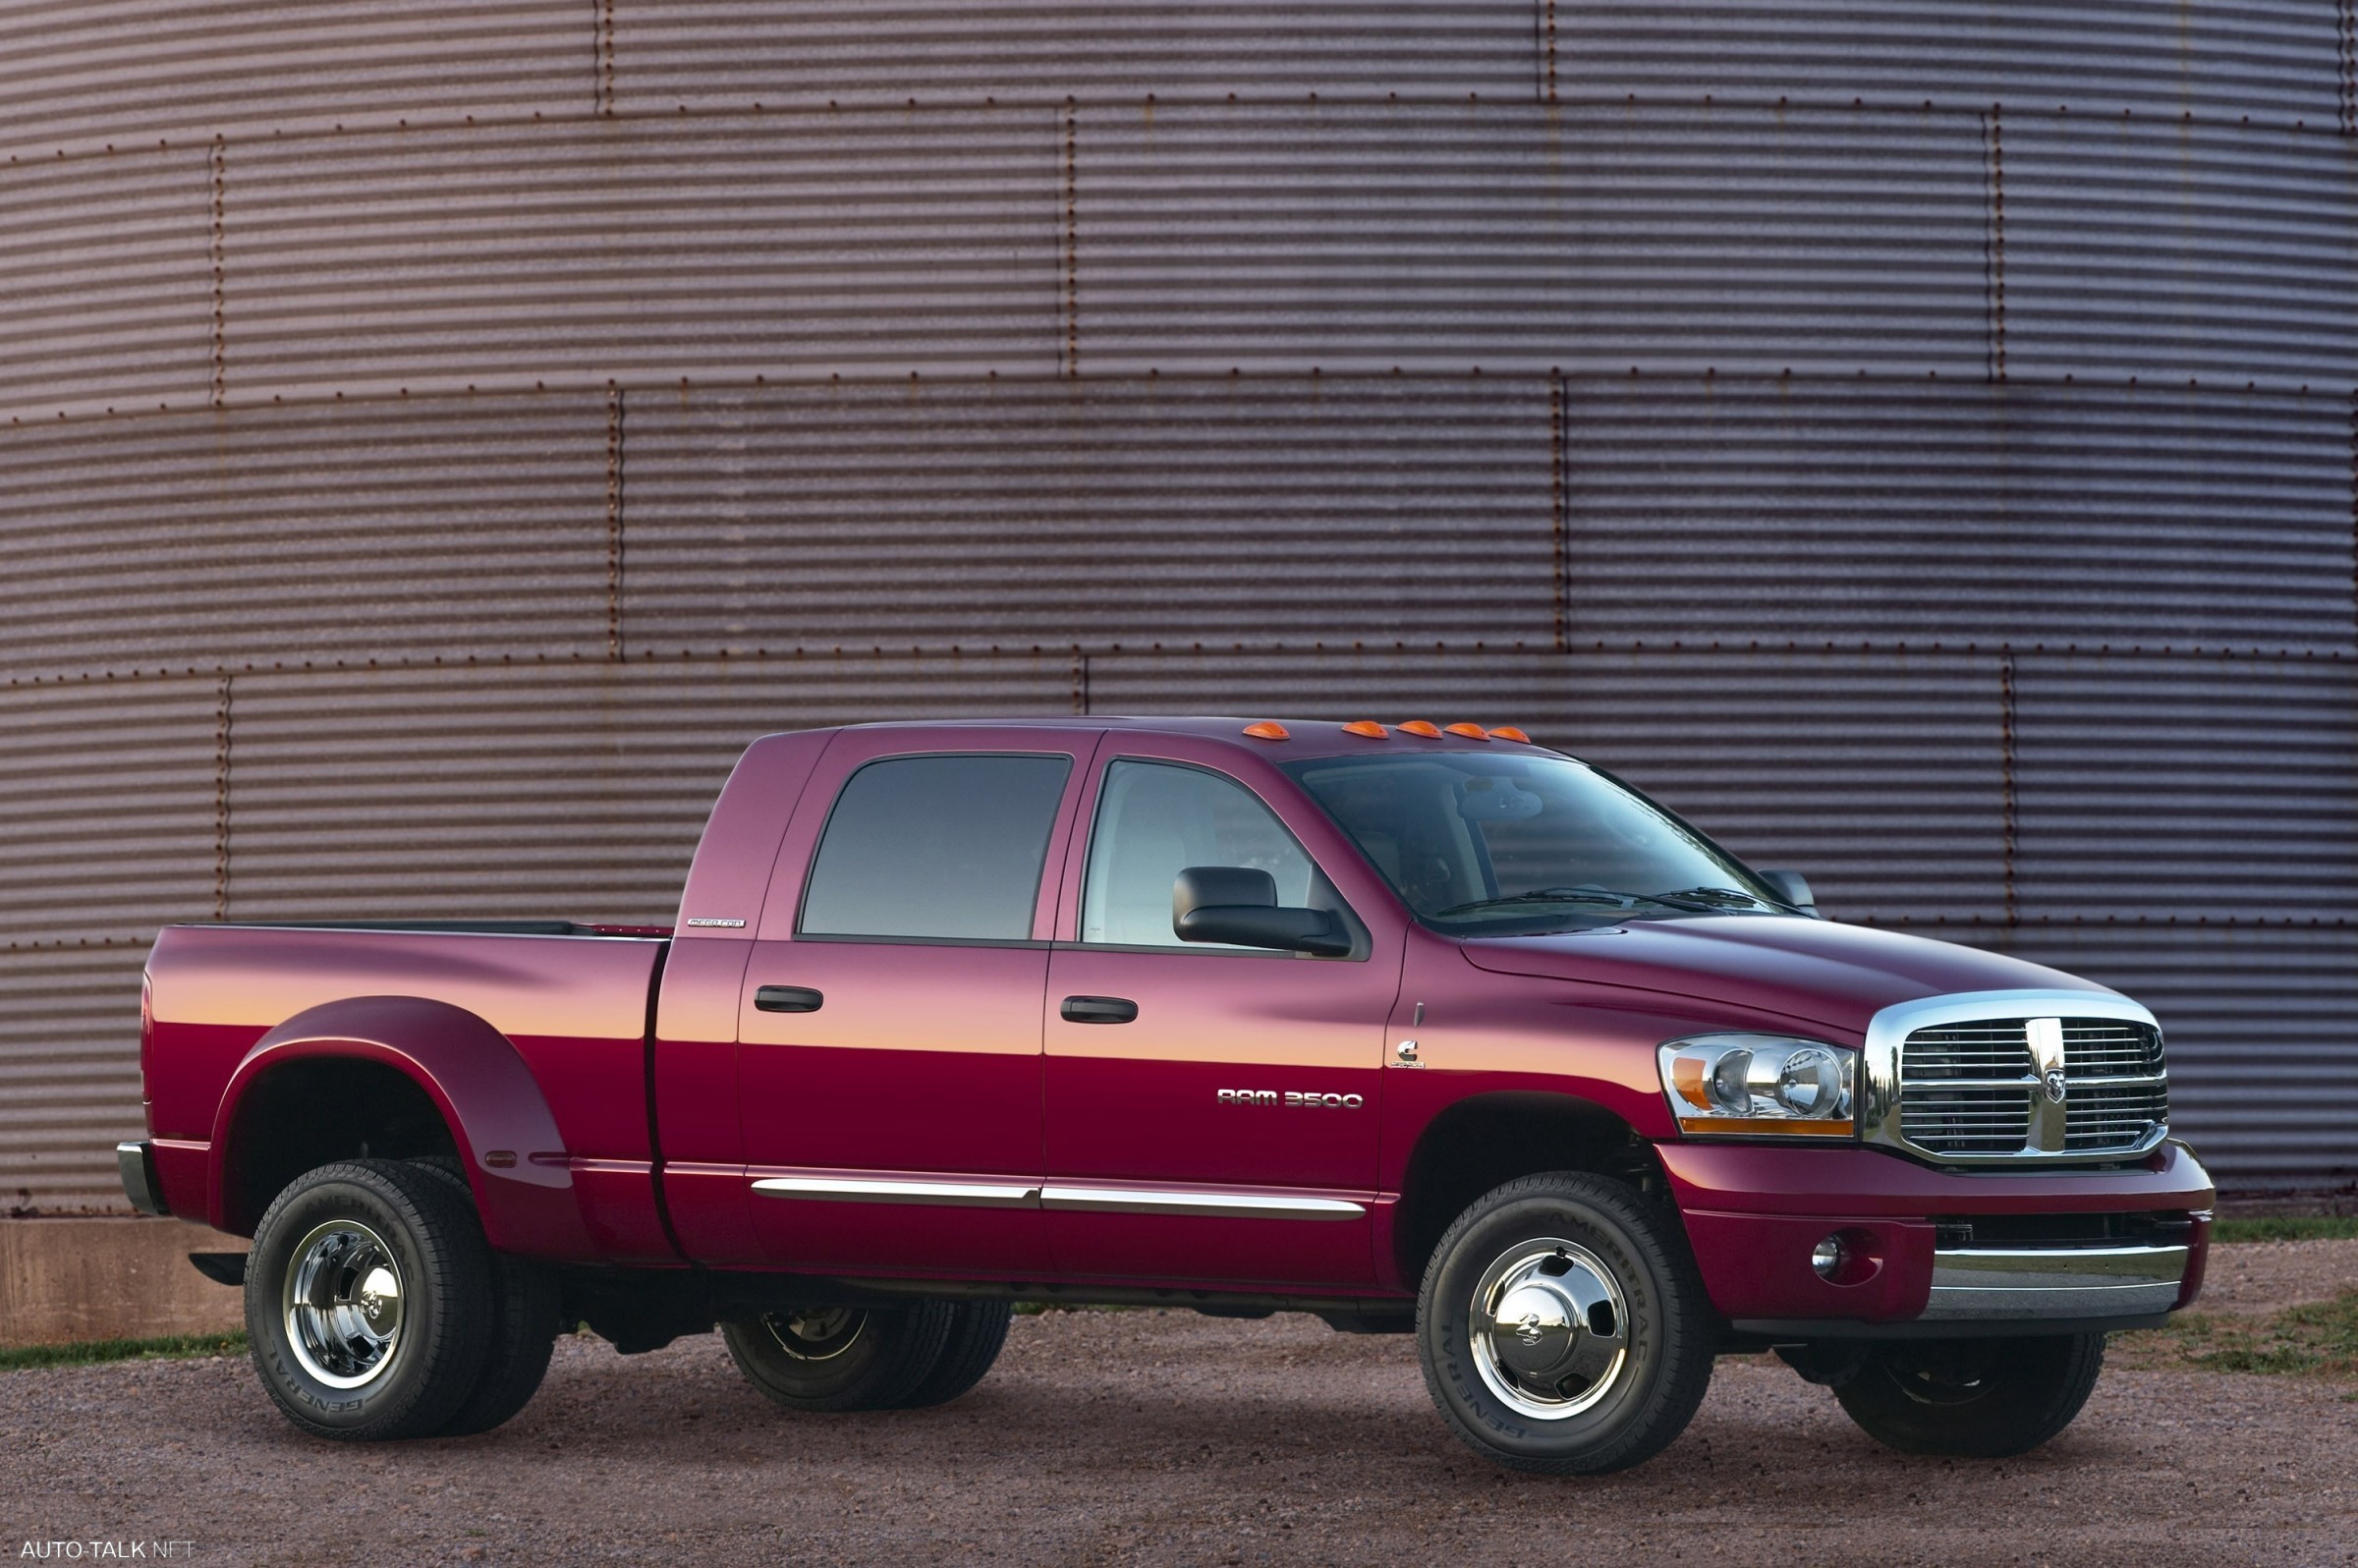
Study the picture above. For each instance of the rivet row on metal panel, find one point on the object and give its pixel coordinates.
(84, 76)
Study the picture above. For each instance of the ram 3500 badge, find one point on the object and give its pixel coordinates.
(1424, 1031)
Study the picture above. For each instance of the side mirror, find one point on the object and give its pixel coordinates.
(1238, 906)
(1792, 887)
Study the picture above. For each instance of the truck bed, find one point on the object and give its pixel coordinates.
(573, 1000)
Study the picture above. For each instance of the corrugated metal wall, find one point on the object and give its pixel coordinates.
(1921, 445)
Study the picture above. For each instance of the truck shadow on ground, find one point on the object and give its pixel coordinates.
(1166, 1440)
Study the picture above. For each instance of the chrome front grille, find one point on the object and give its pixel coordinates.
(2104, 1048)
(1966, 1119)
(2102, 1115)
(1973, 1088)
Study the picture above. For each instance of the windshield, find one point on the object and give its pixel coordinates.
(1496, 846)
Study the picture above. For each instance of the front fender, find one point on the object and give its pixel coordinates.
(514, 1158)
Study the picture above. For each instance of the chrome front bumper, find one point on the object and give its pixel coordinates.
(1985, 1284)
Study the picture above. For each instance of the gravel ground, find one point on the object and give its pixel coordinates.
(1153, 1437)
(2260, 1276)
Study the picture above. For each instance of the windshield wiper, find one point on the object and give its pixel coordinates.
(1726, 898)
(1692, 900)
(1565, 895)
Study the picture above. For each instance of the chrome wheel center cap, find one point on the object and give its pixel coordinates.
(1549, 1330)
(1537, 1323)
(380, 1301)
(342, 1304)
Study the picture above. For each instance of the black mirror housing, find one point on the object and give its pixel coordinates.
(1287, 930)
(1203, 886)
(1238, 907)
(1792, 887)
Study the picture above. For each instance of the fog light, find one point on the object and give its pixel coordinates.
(1827, 1257)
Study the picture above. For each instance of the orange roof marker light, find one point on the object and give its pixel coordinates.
(1268, 730)
(1365, 727)
(1424, 727)
(1507, 732)
(1472, 732)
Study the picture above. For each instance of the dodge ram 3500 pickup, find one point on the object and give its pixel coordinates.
(1424, 1031)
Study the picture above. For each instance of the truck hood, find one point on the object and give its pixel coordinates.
(1813, 971)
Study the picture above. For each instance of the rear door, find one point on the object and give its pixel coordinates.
(1212, 1112)
(889, 1026)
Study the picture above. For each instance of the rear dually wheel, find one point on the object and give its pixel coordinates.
(370, 1301)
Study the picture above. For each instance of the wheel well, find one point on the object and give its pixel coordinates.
(311, 1113)
(1487, 1141)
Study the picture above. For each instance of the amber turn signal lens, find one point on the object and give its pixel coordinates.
(1268, 730)
(1424, 727)
(1367, 727)
(1507, 732)
(1472, 732)
(1686, 1078)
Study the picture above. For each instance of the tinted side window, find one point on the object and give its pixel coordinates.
(935, 846)
(1153, 821)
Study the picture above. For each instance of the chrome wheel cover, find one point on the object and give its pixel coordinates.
(1549, 1330)
(814, 1334)
(345, 1304)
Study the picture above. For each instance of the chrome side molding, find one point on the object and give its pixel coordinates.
(866, 1190)
(1064, 1198)
(1241, 1205)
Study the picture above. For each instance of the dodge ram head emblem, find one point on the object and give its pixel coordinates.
(2052, 1082)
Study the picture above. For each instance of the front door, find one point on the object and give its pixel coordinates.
(889, 1027)
(1211, 1111)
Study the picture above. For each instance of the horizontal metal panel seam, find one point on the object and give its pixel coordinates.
(1470, 652)
(2324, 141)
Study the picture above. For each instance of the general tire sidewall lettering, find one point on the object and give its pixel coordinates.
(1495, 1234)
(340, 1200)
(1667, 1369)
(448, 1304)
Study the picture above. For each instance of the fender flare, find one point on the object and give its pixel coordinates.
(1569, 1099)
(479, 1082)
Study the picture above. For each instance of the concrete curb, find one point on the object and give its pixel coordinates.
(69, 1280)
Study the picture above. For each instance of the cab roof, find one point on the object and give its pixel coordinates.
(1299, 737)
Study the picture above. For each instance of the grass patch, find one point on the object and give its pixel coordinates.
(2308, 1227)
(180, 1347)
(2315, 1339)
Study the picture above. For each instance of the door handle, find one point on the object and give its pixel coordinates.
(787, 999)
(1098, 1010)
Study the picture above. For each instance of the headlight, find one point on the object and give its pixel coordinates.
(1764, 1085)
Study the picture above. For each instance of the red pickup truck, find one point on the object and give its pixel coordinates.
(1425, 1031)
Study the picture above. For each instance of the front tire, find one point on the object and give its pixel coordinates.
(1562, 1327)
(1973, 1398)
(824, 1359)
(368, 1301)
